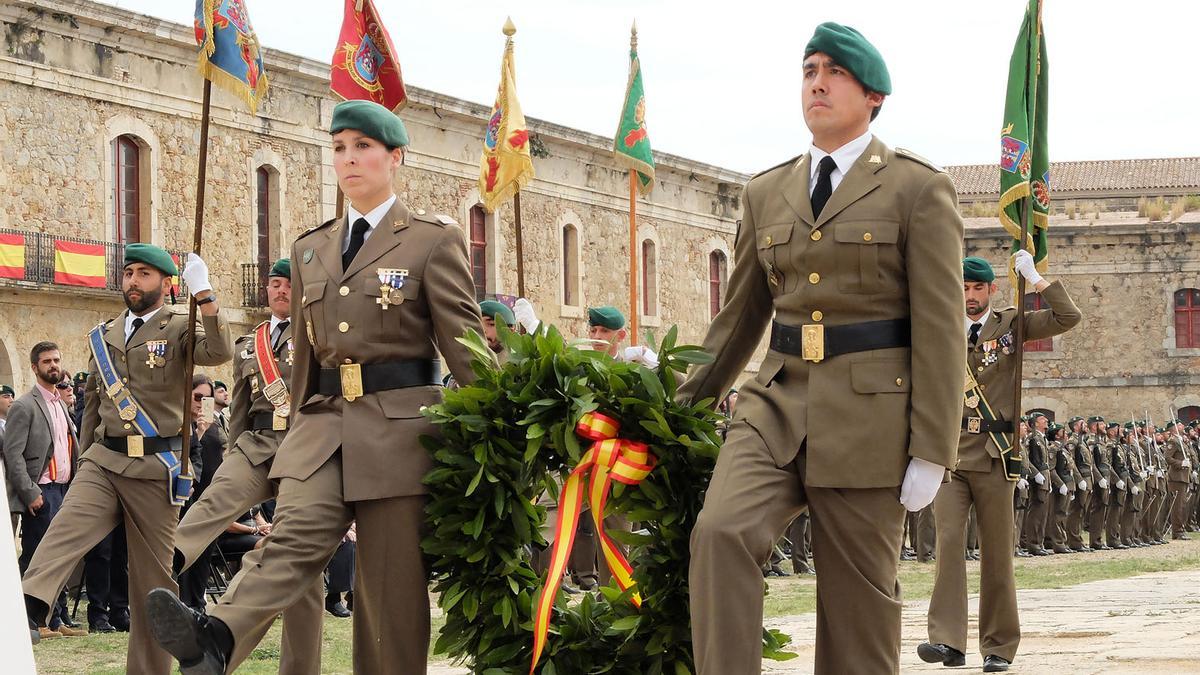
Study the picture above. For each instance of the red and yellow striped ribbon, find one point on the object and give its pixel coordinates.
(608, 459)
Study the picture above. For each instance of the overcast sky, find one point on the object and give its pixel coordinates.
(722, 77)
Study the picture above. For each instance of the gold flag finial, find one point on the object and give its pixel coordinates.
(510, 29)
(633, 35)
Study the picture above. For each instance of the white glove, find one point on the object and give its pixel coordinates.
(1120, 484)
(1134, 489)
(1083, 485)
(1039, 479)
(1194, 476)
(1145, 474)
(1103, 483)
(1022, 484)
(1023, 263)
(1161, 474)
(195, 275)
(1071, 498)
(1186, 462)
(921, 482)
(1062, 490)
(523, 310)
(641, 354)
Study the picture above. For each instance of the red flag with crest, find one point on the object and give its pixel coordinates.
(364, 65)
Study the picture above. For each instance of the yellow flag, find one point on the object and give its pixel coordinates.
(505, 166)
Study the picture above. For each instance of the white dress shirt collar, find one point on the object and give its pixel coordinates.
(967, 322)
(844, 157)
(373, 217)
(131, 316)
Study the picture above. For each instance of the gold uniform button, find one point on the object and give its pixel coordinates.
(344, 291)
(866, 236)
(815, 236)
(980, 369)
(128, 426)
(817, 315)
(303, 299)
(814, 278)
(768, 240)
(343, 327)
(420, 212)
(899, 381)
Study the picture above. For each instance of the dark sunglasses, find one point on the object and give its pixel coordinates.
(62, 385)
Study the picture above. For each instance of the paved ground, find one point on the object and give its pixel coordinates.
(1146, 624)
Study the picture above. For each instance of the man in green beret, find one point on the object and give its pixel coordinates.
(132, 421)
(1078, 509)
(1119, 480)
(606, 327)
(850, 254)
(380, 294)
(1179, 477)
(493, 311)
(981, 475)
(1097, 443)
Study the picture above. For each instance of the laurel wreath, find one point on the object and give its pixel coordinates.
(504, 439)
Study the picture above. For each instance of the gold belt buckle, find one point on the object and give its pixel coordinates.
(812, 345)
(135, 446)
(278, 423)
(352, 386)
(974, 425)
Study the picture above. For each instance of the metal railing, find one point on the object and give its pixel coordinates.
(40, 267)
(254, 284)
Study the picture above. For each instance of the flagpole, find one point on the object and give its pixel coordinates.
(633, 261)
(189, 348)
(520, 245)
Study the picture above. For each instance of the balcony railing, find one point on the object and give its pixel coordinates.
(43, 258)
(254, 284)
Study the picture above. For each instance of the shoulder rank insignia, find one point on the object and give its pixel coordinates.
(909, 154)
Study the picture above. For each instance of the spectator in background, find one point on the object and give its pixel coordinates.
(341, 577)
(221, 398)
(208, 444)
(6, 400)
(80, 381)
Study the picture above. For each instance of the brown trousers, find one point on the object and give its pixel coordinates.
(1097, 510)
(1179, 493)
(1076, 513)
(1056, 526)
(1133, 509)
(237, 486)
(999, 624)
(1145, 529)
(97, 502)
(1035, 517)
(391, 600)
(856, 539)
(1117, 506)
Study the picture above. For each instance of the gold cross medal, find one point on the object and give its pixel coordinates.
(157, 353)
(391, 280)
(291, 350)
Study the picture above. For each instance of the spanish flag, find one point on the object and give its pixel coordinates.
(78, 264)
(12, 256)
(506, 165)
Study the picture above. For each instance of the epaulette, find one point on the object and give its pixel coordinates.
(247, 337)
(181, 309)
(909, 154)
(777, 166)
(318, 227)
(439, 219)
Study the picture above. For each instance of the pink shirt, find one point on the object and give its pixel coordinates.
(61, 432)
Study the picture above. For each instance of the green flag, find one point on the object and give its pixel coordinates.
(1024, 160)
(632, 144)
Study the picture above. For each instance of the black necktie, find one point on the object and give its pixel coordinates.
(357, 235)
(824, 186)
(974, 335)
(137, 323)
(282, 326)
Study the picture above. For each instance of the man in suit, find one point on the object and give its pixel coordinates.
(258, 423)
(134, 423)
(855, 249)
(980, 477)
(40, 457)
(382, 291)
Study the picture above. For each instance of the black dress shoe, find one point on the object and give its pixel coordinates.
(1022, 553)
(1041, 552)
(120, 620)
(1119, 547)
(337, 608)
(101, 626)
(1101, 547)
(995, 664)
(201, 644)
(940, 653)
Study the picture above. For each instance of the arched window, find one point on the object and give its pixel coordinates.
(1034, 301)
(127, 197)
(1187, 318)
(649, 279)
(716, 282)
(479, 251)
(570, 261)
(1188, 413)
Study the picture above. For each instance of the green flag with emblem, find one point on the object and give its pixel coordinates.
(1024, 159)
(632, 144)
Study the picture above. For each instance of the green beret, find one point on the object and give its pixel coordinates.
(850, 49)
(5, 389)
(1114, 425)
(372, 119)
(1073, 420)
(219, 385)
(80, 377)
(1034, 416)
(151, 255)
(282, 268)
(493, 309)
(1129, 425)
(1095, 418)
(978, 269)
(606, 317)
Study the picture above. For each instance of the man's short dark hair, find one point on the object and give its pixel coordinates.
(40, 348)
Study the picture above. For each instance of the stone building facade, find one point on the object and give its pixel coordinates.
(87, 88)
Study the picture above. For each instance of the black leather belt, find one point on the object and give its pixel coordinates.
(978, 425)
(263, 421)
(376, 377)
(151, 445)
(838, 340)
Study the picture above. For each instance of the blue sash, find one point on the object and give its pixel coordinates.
(178, 487)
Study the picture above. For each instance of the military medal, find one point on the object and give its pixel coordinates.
(1006, 343)
(128, 413)
(391, 280)
(291, 352)
(157, 353)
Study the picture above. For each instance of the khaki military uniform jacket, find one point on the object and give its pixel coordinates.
(1083, 459)
(1097, 445)
(250, 400)
(1039, 459)
(1175, 456)
(887, 245)
(379, 434)
(159, 390)
(1118, 471)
